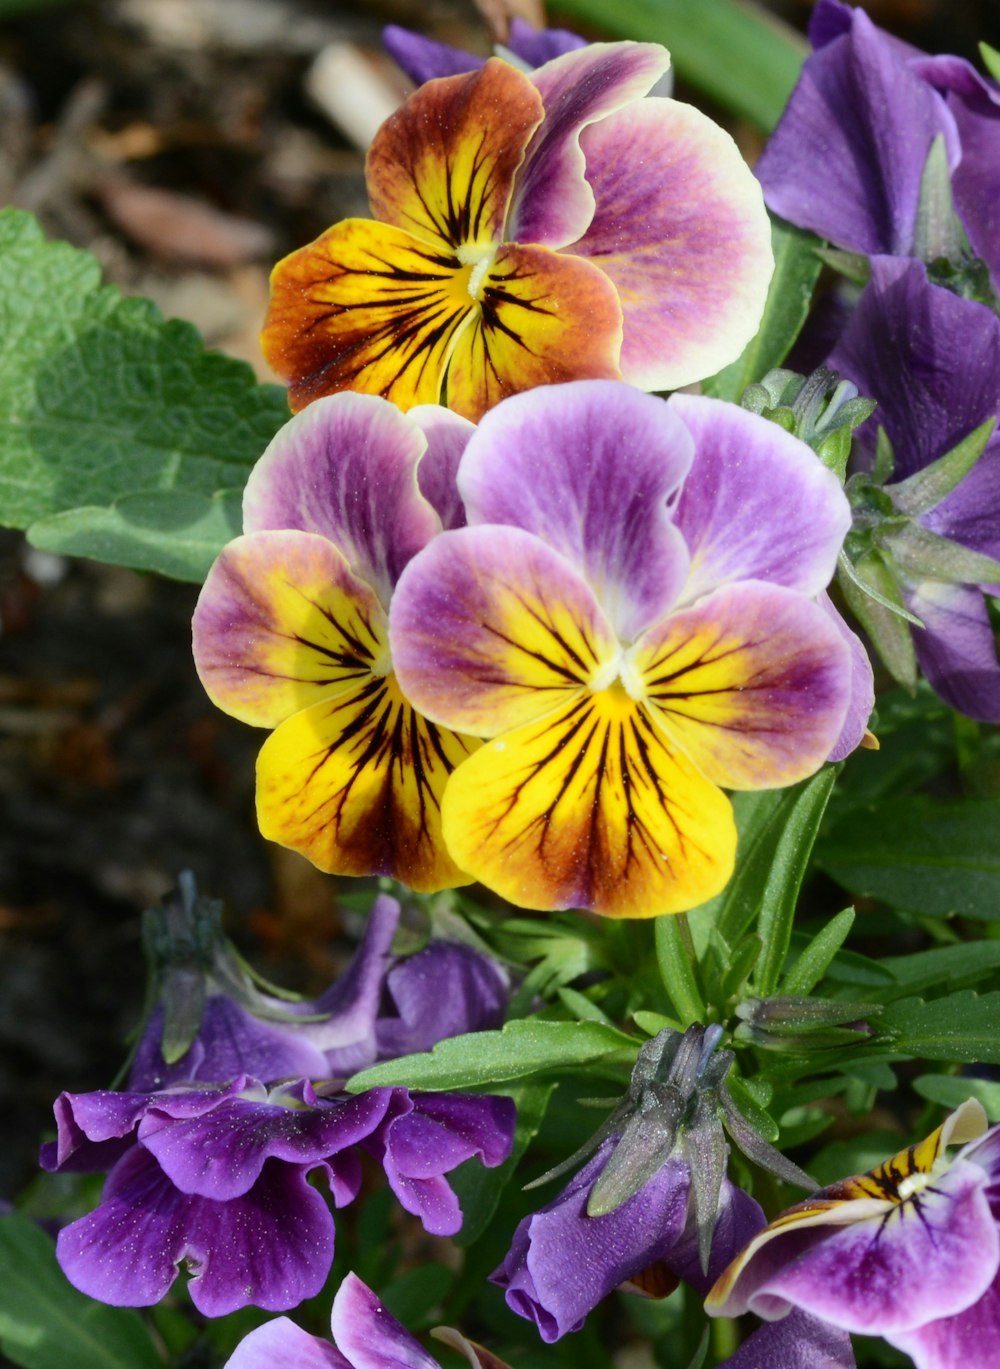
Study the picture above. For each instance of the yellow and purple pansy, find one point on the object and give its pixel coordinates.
(909, 1251)
(530, 228)
(290, 633)
(629, 618)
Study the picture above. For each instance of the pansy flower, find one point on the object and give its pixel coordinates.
(217, 1177)
(629, 618)
(290, 634)
(528, 229)
(366, 1335)
(909, 1251)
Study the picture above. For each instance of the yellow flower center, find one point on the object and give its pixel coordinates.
(477, 258)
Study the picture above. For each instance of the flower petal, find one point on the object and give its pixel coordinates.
(601, 1252)
(366, 307)
(355, 784)
(281, 622)
(966, 1340)
(423, 59)
(753, 683)
(271, 1249)
(836, 163)
(490, 627)
(591, 468)
(442, 167)
(369, 1335)
(859, 710)
(553, 204)
(447, 437)
(543, 317)
(446, 989)
(282, 1342)
(590, 807)
(347, 468)
(681, 230)
(758, 503)
(956, 647)
(794, 1342)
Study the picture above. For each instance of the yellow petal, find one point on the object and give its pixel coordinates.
(543, 318)
(590, 807)
(355, 784)
(366, 307)
(442, 167)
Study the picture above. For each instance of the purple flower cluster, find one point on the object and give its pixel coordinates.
(917, 192)
(211, 1156)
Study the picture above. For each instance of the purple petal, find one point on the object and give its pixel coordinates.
(970, 515)
(758, 503)
(271, 1249)
(447, 437)
(836, 163)
(444, 990)
(591, 468)
(956, 647)
(681, 230)
(553, 203)
(538, 46)
(968, 1340)
(739, 1219)
(795, 1342)
(562, 1263)
(423, 59)
(928, 1257)
(369, 1335)
(859, 710)
(931, 359)
(975, 105)
(346, 467)
(222, 1154)
(281, 1342)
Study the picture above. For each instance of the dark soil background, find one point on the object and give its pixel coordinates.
(178, 141)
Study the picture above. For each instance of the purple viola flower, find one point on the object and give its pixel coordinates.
(629, 619)
(366, 1336)
(932, 361)
(838, 165)
(909, 1251)
(217, 1177)
(423, 59)
(447, 989)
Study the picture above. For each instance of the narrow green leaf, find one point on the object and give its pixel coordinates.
(943, 967)
(991, 60)
(813, 962)
(761, 1120)
(120, 436)
(46, 1324)
(582, 1007)
(479, 1189)
(951, 1091)
(482, 1059)
(744, 58)
(676, 970)
(963, 1026)
(796, 270)
(920, 854)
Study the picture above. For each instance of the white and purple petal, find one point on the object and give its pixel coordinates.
(447, 435)
(553, 203)
(593, 468)
(281, 1342)
(680, 229)
(967, 1340)
(369, 1335)
(271, 1248)
(859, 710)
(757, 504)
(346, 468)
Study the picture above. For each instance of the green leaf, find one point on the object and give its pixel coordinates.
(120, 436)
(776, 833)
(481, 1059)
(920, 854)
(951, 1091)
(991, 60)
(46, 1324)
(674, 958)
(944, 967)
(480, 1189)
(814, 960)
(796, 270)
(963, 1026)
(745, 59)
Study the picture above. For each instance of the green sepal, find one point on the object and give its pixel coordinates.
(925, 489)
(866, 588)
(937, 232)
(923, 555)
